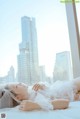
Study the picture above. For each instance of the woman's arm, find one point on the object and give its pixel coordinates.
(57, 104)
(27, 105)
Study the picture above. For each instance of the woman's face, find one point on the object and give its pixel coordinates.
(18, 88)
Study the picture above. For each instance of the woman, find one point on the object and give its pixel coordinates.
(56, 96)
(36, 97)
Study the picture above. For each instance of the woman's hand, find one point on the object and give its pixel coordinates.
(27, 105)
(37, 87)
(20, 97)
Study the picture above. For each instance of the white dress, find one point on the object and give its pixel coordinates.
(64, 90)
(58, 90)
(40, 98)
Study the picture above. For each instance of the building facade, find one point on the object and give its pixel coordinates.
(28, 69)
(62, 68)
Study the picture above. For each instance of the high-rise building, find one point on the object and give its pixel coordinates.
(42, 73)
(10, 77)
(62, 67)
(11, 74)
(28, 69)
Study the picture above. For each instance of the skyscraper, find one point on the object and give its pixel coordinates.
(28, 70)
(62, 68)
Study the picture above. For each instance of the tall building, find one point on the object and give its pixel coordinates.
(10, 77)
(42, 73)
(11, 74)
(28, 70)
(62, 68)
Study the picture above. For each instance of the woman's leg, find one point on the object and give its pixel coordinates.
(60, 103)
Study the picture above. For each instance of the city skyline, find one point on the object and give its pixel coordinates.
(51, 26)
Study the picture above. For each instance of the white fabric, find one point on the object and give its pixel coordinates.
(41, 99)
(73, 112)
(44, 102)
(61, 89)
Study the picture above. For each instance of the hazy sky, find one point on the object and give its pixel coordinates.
(51, 25)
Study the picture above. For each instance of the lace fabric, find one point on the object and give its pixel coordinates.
(41, 99)
(44, 102)
(63, 90)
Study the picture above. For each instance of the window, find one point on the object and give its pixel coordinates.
(34, 34)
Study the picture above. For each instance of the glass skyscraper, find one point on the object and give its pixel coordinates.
(28, 69)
